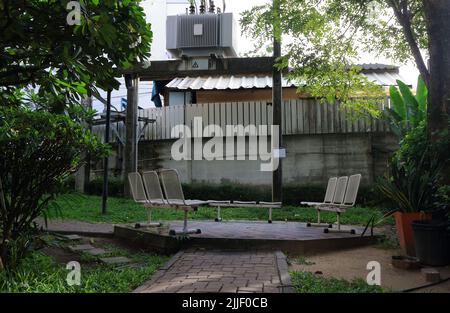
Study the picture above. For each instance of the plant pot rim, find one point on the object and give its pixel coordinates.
(414, 212)
(430, 224)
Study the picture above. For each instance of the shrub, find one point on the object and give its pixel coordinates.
(39, 150)
(115, 187)
(414, 181)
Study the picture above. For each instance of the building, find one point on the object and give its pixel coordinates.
(206, 79)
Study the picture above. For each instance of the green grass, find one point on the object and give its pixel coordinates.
(40, 273)
(305, 282)
(121, 210)
(301, 260)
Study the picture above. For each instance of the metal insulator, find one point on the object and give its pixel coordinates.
(212, 7)
(202, 7)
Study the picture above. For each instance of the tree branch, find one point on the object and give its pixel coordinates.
(404, 19)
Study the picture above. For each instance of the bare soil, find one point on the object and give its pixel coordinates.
(351, 264)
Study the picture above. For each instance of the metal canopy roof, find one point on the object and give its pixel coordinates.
(387, 78)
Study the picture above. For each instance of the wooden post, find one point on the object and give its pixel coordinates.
(277, 100)
(131, 123)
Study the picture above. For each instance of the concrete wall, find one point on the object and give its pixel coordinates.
(311, 159)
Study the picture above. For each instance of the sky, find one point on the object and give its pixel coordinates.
(156, 11)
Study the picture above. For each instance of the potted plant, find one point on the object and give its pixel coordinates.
(432, 241)
(411, 188)
(432, 237)
(412, 182)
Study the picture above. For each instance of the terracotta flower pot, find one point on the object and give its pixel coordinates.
(405, 231)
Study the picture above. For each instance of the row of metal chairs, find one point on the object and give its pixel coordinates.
(340, 195)
(146, 190)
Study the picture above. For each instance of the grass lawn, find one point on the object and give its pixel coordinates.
(305, 282)
(40, 272)
(120, 210)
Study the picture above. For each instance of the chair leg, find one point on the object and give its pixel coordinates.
(218, 218)
(149, 221)
(319, 223)
(339, 230)
(185, 230)
(270, 216)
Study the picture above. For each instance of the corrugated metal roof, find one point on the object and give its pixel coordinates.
(225, 82)
(257, 82)
(378, 66)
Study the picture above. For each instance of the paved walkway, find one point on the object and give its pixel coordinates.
(202, 271)
(77, 227)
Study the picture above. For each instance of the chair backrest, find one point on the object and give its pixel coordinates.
(331, 189)
(352, 189)
(137, 187)
(172, 186)
(153, 186)
(341, 187)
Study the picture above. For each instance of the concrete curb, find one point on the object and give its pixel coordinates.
(81, 233)
(283, 272)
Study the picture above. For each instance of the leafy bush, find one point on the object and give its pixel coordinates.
(414, 183)
(39, 150)
(414, 179)
(407, 111)
(115, 187)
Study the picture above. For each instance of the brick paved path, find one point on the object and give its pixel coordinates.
(221, 271)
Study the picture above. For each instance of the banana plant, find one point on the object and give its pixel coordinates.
(407, 111)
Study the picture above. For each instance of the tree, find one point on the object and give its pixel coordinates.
(326, 37)
(437, 15)
(46, 66)
(39, 150)
(39, 48)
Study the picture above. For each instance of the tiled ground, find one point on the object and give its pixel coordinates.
(262, 230)
(221, 271)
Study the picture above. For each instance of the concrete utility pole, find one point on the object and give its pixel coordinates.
(106, 160)
(277, 101)
(84, 172)
(131, 123)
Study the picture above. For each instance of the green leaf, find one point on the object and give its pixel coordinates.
(411, 104)
(422, 97)
(397, 103)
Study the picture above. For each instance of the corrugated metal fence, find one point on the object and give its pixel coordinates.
(305, 116)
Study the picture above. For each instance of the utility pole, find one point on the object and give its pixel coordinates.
(277, 100)
(83, 174)
(106, 160)
(131, 124)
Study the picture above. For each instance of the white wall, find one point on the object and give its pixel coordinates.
(156, 12)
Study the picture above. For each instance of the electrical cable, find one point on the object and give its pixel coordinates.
(426, 286)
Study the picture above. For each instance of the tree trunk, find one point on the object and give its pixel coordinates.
(3, 251)
(437, 13)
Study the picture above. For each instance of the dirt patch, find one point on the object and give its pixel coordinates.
(351, 264)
